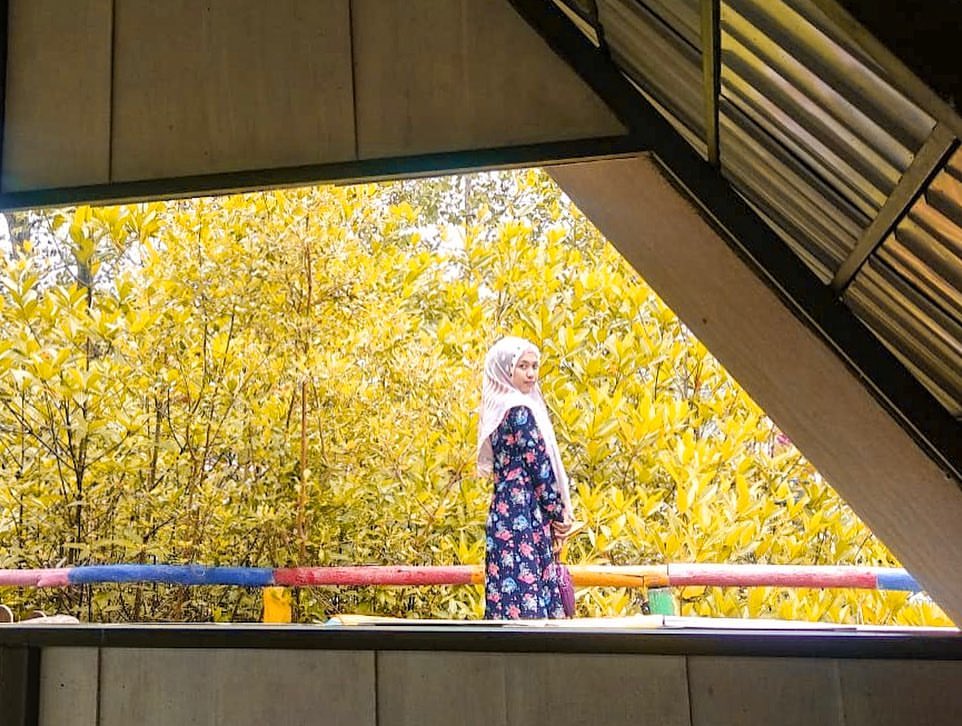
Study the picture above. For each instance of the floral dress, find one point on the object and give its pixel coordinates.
(520, 576)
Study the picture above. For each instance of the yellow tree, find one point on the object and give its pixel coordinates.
(290, 378)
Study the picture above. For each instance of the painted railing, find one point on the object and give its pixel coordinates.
(651, 576)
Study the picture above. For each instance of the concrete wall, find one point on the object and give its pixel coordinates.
(116, 91)
(87, 686)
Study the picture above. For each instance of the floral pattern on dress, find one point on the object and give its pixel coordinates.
(521, 580)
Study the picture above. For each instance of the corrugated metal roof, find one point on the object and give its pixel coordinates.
(910, 291)
(660, 58)
(819, 225)
(830, 151)
(817, 98)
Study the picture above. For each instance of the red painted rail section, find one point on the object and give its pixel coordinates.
(379, 575)
(672, 575)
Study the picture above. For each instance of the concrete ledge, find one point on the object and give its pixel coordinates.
(490, 638)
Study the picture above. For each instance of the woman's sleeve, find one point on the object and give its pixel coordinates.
(534, 454)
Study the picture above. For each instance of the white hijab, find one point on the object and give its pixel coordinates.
(498, 396)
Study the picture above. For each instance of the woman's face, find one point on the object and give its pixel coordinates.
(525, 373)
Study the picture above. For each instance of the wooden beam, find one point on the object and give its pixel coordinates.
(926, 163)
(408, 166)
(711, 68)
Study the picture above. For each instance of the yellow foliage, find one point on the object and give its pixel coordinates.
(291, 377)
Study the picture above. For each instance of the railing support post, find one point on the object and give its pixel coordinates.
(661, 601)
(277, 605)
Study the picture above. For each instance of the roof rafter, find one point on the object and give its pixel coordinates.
(927, 162)
(711, 67)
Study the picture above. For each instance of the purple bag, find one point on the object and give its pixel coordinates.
(567, 590)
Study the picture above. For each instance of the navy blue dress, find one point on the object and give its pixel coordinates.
(520, 575)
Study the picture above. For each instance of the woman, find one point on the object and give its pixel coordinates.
(530, 511)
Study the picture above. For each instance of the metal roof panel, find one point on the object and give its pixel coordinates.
(657, 58)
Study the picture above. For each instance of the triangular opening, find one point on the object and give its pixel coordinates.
(290, 378)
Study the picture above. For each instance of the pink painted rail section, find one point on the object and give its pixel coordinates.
(54, 577)
(772, 575)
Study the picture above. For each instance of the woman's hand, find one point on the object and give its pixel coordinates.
(561, 531)
(568, 527)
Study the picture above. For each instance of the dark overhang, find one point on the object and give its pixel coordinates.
(853, 219)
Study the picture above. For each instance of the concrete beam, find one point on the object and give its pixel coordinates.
(803, 385)
(135, 99)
